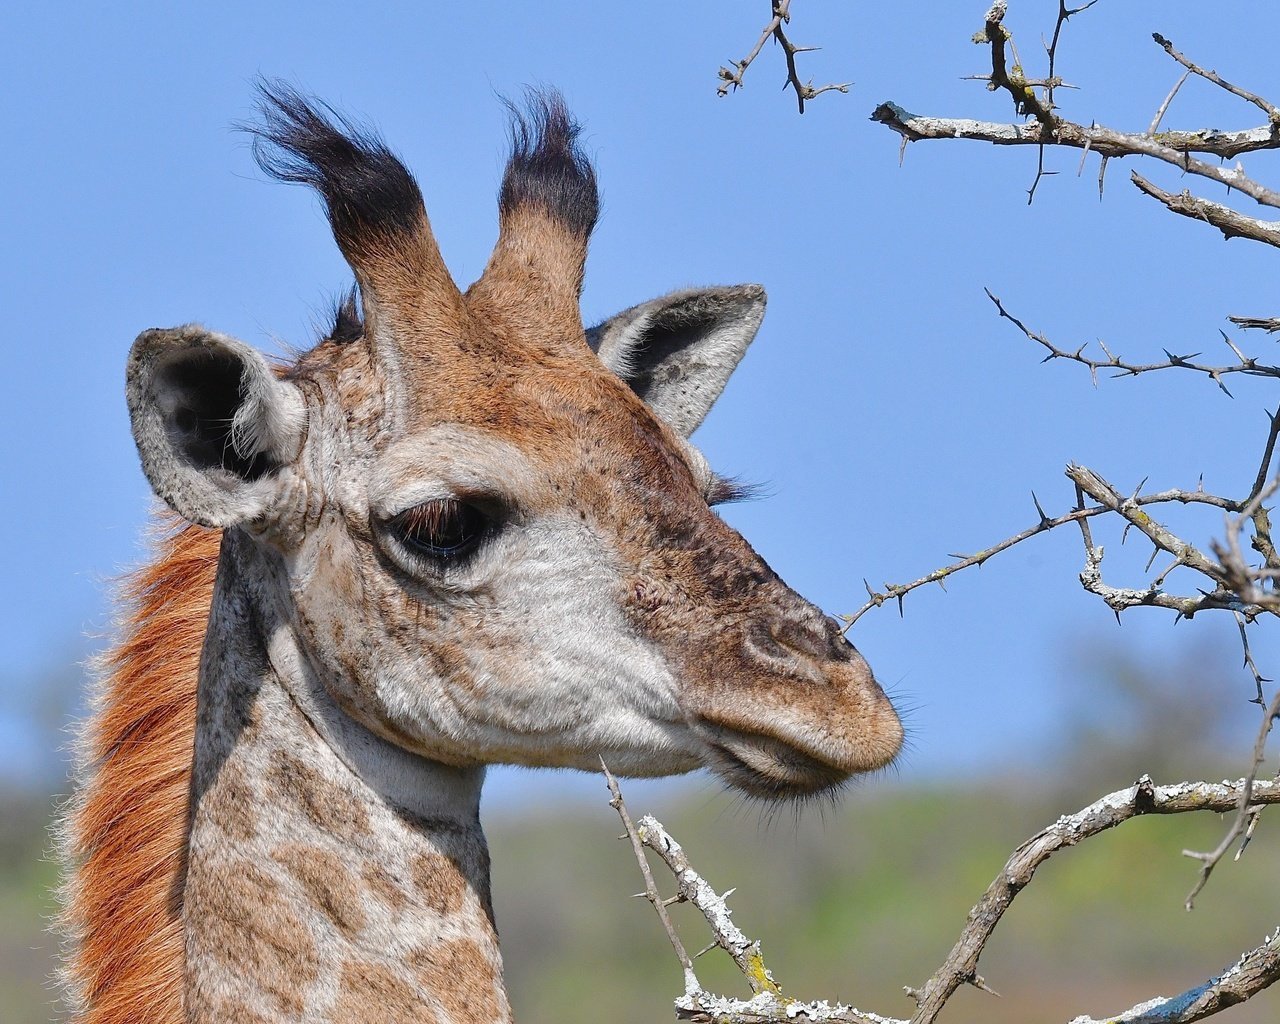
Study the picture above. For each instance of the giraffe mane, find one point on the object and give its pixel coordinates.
(123, 838)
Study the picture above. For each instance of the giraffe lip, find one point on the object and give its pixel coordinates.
(764, 766)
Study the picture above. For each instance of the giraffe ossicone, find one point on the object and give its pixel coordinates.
(461, 530)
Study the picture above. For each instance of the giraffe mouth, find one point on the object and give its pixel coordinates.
(766, 767)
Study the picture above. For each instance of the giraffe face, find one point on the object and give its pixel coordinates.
(495, 542)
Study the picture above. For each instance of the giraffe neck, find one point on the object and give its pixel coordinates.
(331, 876)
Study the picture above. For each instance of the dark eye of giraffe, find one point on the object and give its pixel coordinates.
(444, 529)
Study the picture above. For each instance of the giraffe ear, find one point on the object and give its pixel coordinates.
(676, 352)
(212, 422)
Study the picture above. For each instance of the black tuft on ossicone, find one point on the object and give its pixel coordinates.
(370, 197)
(348, 324)
(547, 169)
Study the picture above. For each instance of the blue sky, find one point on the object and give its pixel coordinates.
(892, 417)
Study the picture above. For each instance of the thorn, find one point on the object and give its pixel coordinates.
(728, 892)
(980, 983)
(901, 613)
(1138, 490)
(705, 949)
(1044, 519)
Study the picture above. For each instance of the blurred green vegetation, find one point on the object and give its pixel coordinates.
(871, 899)
(852, 901)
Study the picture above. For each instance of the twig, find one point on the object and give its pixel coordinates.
(1164, 107)
(1188, 606)
(1243, 578)
(691, 983)
(731, 77)
(1248, 366)
(1246, 816)
(1272, 112)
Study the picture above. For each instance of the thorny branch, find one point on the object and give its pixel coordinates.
(731, 76)
(1245, 364)
(1253, 972)
(1047, 128)
(1234, 582)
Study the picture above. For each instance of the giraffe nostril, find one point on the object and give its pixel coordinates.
(760, 639)
(788, 639)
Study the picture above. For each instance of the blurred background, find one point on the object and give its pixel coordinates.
(890, 416)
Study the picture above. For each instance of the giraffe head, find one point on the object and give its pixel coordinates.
(485, 524)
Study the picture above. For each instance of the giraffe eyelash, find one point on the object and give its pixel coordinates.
(443, 530)
(725, 490)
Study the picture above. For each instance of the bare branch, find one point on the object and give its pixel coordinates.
(1272, 112)
(1131, 511)
(1013, 81)
(1115, 598)
(1069, 830)
(1252, 973)
(731, 77)
(1251, 323)
(1245, 978)
(1248, 366)
(1170, 147)
(1046, 128)
(1225, 219)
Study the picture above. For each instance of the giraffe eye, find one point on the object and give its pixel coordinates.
(443, 529)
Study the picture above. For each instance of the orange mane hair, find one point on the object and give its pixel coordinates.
(124, 839)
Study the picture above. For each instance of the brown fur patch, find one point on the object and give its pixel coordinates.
(372, 992)
(125, 839)
(244, 924)
(229, 803)
(330, 806)
(381, 884)
(462, 977)
(440, 882)
(327, 883)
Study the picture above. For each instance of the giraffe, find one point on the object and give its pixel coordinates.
(460, 530)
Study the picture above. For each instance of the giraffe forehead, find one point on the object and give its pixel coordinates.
(448, 459)
(528, 433)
